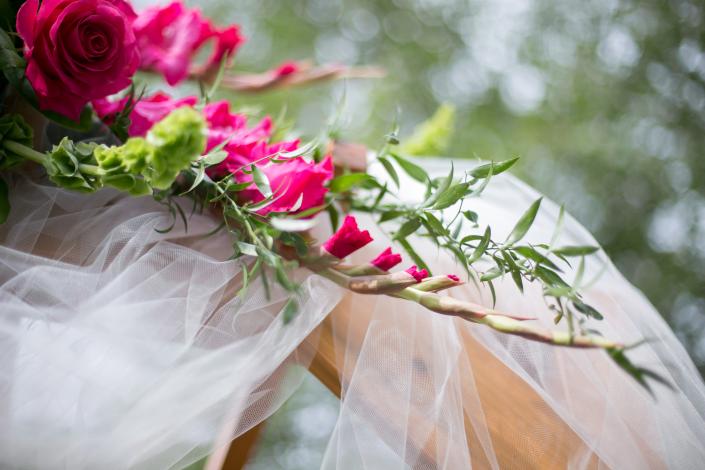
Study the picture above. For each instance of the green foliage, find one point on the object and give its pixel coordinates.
(433, 136)
(14, 128)
(177, 140)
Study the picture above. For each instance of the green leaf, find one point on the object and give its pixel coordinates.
(559, 226)
(524, 223)
(493, 168)
(407, 228)
(549, 277)
(414, 255)
(435, 224)
(390, 215)
(345, 183)
(390, 169)
(411, 169)
(213, 158)
(451, 196)
(588, 310)
(291, 308)
(575, 250)
(640, 374)
(481, 247)
(531, 253)
(4, 201)
(261, 181)
(247, 248)
(442, 187)
(491, 274)
(471, 216)
(9, 58)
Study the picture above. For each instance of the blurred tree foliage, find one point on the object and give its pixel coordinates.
(605, 100)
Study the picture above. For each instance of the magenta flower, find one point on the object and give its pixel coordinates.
(386, 260)
(418, 275)
(145, 113)
(287, 68)
(453, 277)
(170, 36)
(347, 239)
(77, 50)
(297, 185)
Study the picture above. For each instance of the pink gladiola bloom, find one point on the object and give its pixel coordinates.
(145, 113)
(386, 260)
(245, 144)
(170, 36)
(287, 68)
(347, 239)
(297, 185)
(418, 275)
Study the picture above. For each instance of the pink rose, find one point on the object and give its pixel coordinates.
(386, 260)
(77, 50)
(145, 113)
(347, 239)
(170, 36)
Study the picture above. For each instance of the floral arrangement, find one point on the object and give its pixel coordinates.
(76, 62)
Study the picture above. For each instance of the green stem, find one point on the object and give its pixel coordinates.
(27, 152)
(91, 169)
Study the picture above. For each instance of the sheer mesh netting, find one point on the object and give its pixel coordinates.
(123, 347)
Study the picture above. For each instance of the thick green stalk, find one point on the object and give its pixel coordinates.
(26, 152)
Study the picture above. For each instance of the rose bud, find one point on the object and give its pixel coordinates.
(347, 239)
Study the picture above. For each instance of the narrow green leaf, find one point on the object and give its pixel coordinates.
(524, 223)
(493, 168)
(345, 183)
(451, 196)
(481, 247)
(575, 250)
(435, 224)
(390, 170)
(411, 169)
(390, 215)
(261, 181)
(559, 226)
(407, 228)
(291, 308)
(492, 273)
(414, 255)
(213, 158)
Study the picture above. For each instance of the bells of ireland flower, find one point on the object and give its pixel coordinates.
(13, 128)
(123, 165)
(67, 165)
(176, 141)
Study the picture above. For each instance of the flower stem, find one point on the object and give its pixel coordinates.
(500, 322)
(26, 152)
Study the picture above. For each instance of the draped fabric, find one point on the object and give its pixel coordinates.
(124, 347)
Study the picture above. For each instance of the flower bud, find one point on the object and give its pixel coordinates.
(416, 274)
(386, 260)
(347, 239)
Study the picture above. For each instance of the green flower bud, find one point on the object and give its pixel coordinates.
(176, 141)
(13, 128)
(128, 158)
(64, 168)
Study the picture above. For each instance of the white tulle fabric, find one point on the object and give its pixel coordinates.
(121, 347)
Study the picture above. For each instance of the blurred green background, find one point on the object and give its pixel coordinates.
(604, 100)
